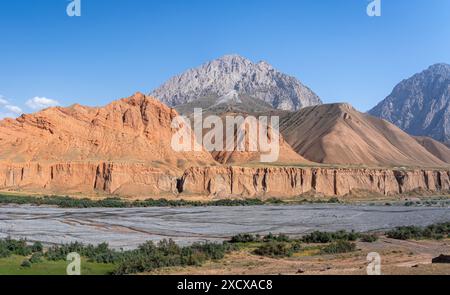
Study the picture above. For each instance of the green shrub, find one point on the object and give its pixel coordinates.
(334, 200)
(17, 247)
(36, 258)
(346, 236)
(318, 237)
(437, 231)
(328, 237)
(4, 251)
(26, 264)
(405, 233)
(369, 238)
(339, 247)
(244, 238)
(37, 247)
(276, 238)
(274, 249)
(296, 246)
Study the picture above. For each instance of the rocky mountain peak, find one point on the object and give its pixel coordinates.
(229, 73)
(420, 105)
(440, 68)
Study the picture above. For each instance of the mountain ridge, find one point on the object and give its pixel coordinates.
(420, 105)
(236, 73)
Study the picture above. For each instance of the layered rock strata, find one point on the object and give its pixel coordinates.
(140, 180)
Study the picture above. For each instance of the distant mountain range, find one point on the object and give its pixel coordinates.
(225, 80)
(125, 148)
(420, 105)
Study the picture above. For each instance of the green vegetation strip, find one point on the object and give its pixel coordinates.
(68, 202)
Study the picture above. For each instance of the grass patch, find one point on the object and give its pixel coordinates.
(308, 251)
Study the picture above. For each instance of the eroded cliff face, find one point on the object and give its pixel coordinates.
(140, 180)
(220, 182)
(88, 178)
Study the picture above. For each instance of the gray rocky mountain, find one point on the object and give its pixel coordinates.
(420, 105)
(228, 78)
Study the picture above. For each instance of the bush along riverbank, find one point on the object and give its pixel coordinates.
(435, 232)
(115, 202)
(68, 202)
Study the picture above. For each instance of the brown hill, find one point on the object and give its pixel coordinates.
(135, 130)
(232, 154)
(435, 147)
(286, 156)
(338, 134)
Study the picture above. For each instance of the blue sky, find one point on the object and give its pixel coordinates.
(119, 47)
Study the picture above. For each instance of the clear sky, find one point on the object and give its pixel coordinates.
(118, 47)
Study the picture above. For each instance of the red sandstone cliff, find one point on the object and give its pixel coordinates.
(290, 182)
(215, 182)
